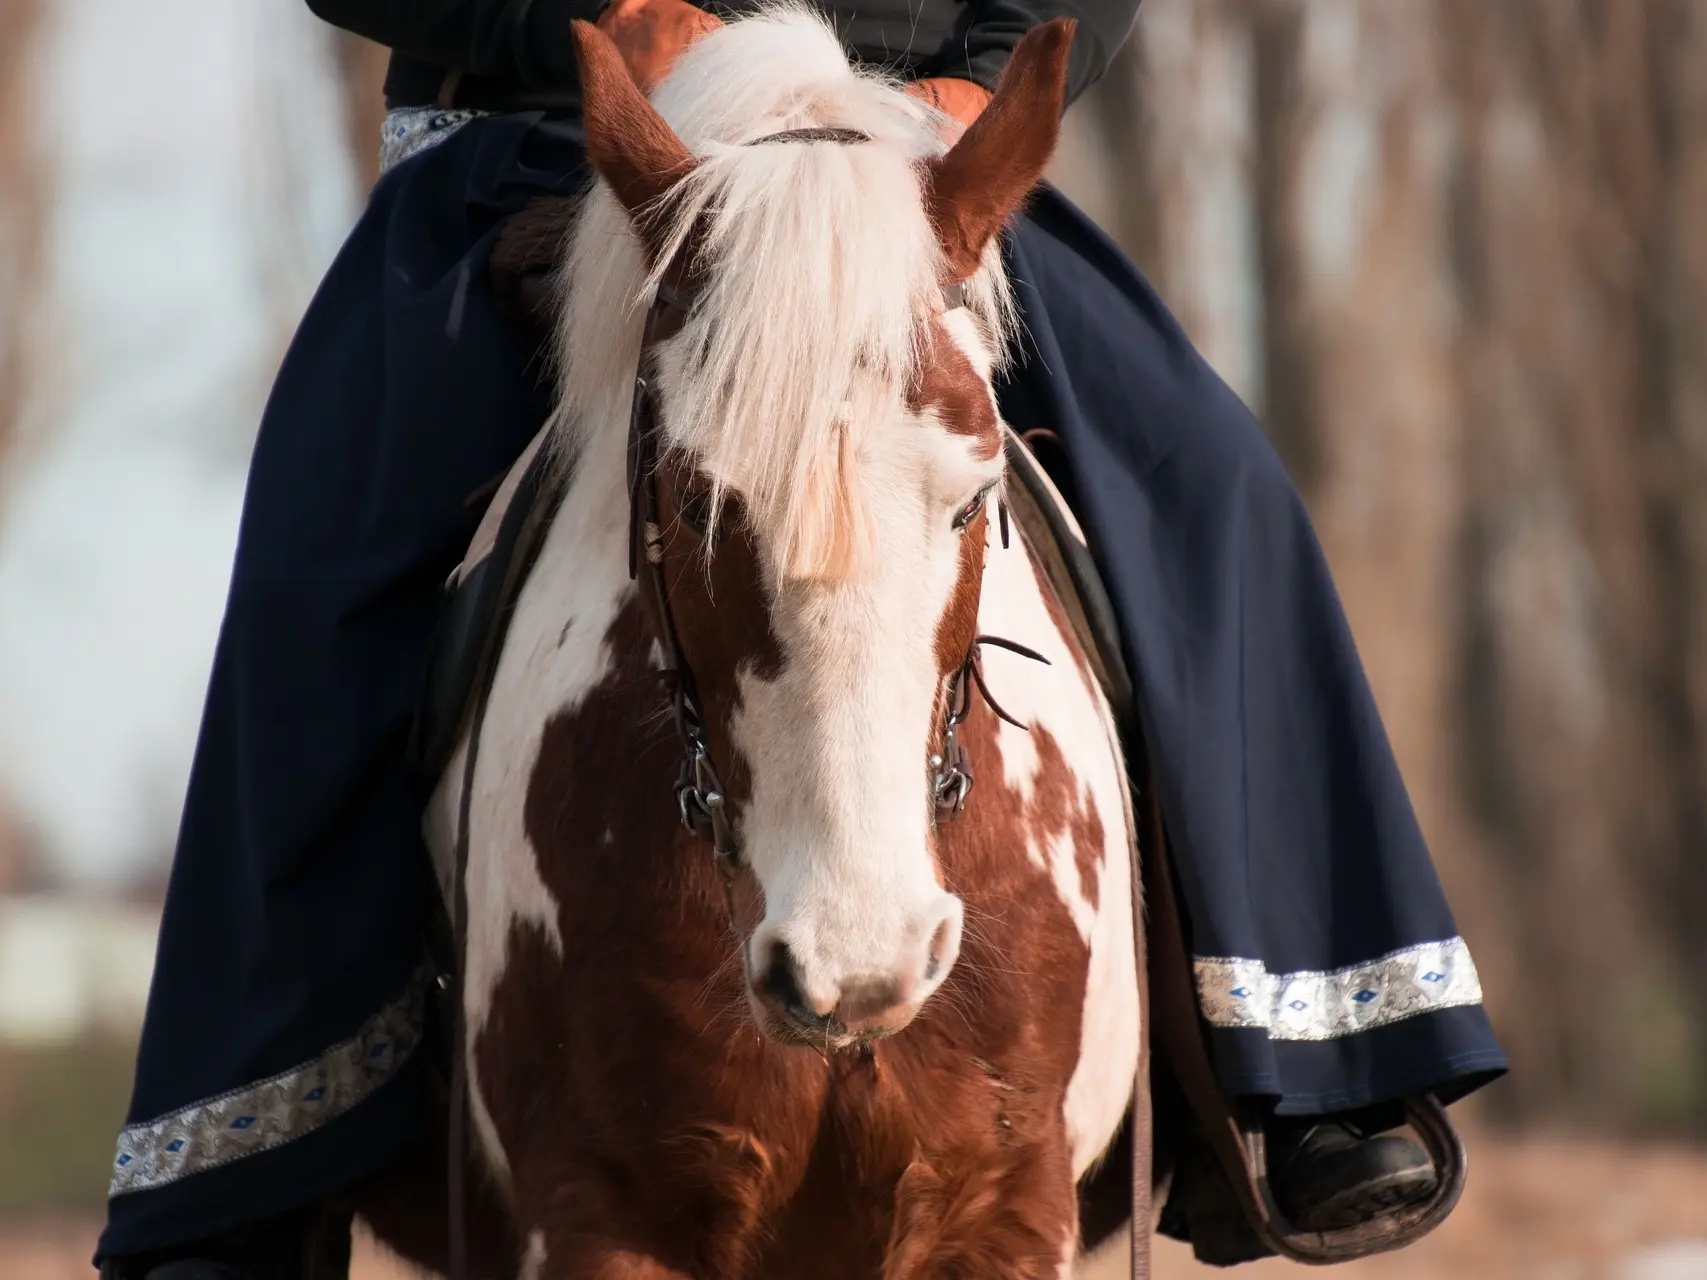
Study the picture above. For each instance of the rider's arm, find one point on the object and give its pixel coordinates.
(997, 26)
(526, 42)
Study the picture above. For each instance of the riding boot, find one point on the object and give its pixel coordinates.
(1340, 1170)
(310, 1244)
(1326, 1172)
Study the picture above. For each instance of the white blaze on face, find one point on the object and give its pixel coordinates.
(838, 830)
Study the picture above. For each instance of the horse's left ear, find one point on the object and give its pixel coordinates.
(973, 190)
(630, 145)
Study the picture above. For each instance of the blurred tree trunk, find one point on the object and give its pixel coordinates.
(23, 244)
(1456, 255)
(1174, 117)
(23, 217)
(1676, 317)
(1562, 767)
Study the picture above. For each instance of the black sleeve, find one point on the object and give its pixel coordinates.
(994, 27)
(524, 42)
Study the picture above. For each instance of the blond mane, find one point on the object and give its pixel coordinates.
(819, 260)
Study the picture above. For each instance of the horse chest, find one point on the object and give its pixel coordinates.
(618, 1083)
(646, 1099)
(617, 1070)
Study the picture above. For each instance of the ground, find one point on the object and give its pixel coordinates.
(1535, 1209)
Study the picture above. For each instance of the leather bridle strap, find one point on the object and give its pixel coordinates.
(699, 792)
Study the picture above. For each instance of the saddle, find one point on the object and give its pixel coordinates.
(1206, 1149)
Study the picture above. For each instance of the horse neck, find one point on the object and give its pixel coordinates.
(582, 572)
(1062, 699)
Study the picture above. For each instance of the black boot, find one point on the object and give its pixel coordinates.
(310, 1244)
(1339, 1170)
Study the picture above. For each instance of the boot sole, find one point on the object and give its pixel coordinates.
(1368, 1201)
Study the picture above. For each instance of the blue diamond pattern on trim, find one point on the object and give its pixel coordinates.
(1307, 1006)
(242, 1122)
(379, 1050)
(124, 1160)
(315, 1094)
(177, 1144)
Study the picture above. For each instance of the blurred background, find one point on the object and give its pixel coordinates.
(1453, 252)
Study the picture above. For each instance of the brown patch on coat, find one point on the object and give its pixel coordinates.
(975, 188)
(947, 384)
(957, 628)
(720, 606)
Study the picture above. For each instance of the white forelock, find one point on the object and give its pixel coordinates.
(819, 262)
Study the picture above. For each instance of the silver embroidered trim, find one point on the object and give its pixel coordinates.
(409, 131)
(1323, 1006)
(269, 1114)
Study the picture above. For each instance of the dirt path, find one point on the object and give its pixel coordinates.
(1536, 1209)
(1547, 1209)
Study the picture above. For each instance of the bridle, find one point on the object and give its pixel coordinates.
(700, 795)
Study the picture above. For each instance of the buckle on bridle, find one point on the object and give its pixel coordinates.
(951, 776)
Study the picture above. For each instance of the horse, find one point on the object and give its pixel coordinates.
(797, 900)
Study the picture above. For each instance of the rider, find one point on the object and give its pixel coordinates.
(277, 1064)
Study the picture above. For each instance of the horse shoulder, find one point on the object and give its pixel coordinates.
(1068, 767)
(554, 655)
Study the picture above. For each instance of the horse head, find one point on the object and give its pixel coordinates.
(809, 285)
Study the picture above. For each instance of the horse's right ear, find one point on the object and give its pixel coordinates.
(628, 142)
(973, 190)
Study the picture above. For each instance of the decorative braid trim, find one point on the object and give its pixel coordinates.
(271, 1112)
(1310, 1005)
(409, 131)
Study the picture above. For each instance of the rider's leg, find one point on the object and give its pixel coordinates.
(278, 1062)
(1328, 965)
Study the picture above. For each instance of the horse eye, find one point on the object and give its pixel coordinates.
(696, 511)
(967, 514)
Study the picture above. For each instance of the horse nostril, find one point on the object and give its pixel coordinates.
(945, 945)
(781, 982)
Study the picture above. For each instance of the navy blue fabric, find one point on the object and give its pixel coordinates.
(1295, 840)
(297, 896)
(296, 902)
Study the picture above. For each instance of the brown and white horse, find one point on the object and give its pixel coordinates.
(872, 1041)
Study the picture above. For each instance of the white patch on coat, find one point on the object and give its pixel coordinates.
(1064, 700)
(839, 829)
(581, 574)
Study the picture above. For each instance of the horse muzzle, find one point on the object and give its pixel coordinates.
(855, 1010)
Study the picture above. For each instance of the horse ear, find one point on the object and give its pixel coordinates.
(973, 190)
(628, 143)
